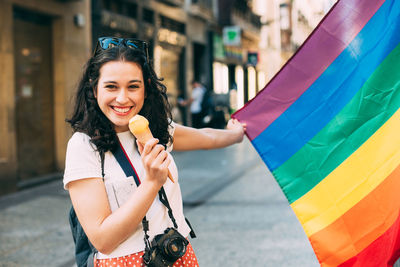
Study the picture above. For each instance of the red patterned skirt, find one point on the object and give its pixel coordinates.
(136, 260)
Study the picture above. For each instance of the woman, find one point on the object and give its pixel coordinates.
(118, 83)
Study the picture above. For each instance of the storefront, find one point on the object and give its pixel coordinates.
(240, 54)
(43, 45)
(169, 61)
(34, 94)
(169, 55)
(230, 72)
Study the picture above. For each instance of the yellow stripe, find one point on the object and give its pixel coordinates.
(351, 181)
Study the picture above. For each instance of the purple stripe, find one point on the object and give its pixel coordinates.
(323, 46)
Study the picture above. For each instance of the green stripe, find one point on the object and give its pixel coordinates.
(372, 106)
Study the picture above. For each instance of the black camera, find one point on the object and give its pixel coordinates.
(165, 249)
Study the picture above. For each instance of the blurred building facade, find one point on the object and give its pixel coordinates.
(236, 52)
(286, 24)
(43, 45)
(187, 43)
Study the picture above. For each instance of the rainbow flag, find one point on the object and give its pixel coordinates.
(328, 127)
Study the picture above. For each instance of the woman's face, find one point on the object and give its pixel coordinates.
(120, 92)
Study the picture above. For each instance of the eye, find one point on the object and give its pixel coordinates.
(110, 86)
(133, 86)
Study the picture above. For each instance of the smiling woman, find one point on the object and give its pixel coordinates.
(119, 187)
(120, 92)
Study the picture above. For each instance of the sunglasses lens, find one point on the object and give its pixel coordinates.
(131, 44)
(109, 43)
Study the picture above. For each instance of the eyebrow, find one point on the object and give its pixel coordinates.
(131, 81)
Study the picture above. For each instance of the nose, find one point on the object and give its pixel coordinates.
(122, 96)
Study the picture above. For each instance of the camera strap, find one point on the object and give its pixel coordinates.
(129, 170)
(125, 163)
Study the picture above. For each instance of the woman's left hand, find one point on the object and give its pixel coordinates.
(238, 128)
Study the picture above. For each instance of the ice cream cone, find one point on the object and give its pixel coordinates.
(139, 127)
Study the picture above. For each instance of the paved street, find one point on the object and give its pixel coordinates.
(239, 214)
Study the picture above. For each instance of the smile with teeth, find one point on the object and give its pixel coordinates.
(121, 110)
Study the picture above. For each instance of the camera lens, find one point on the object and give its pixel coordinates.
(175, 248)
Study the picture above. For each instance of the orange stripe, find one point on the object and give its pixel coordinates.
(360, 225)
(384, 251)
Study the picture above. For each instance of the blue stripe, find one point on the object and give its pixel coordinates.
(333, 89)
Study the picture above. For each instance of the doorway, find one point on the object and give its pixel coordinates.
(199, 63)
(34, 105)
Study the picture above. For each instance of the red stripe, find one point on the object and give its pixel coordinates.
(126, 155)
(384, 251)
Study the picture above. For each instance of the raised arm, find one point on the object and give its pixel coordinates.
(107, 230)
(187, 138)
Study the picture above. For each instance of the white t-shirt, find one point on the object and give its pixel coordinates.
(197, 96)
(82, 161)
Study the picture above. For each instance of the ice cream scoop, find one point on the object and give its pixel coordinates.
(139, 127)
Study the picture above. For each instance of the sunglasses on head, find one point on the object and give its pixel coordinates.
(104, 43)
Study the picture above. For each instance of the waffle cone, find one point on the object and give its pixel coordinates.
(139, 127)
(144, 136)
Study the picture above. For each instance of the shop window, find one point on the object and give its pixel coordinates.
(203, 3)
(148, 16)
(106, 4)
(113, 6)
(172, 25)
(130, 10)
(221, 78)
(199, 63)
(261, 76)
(239, 79)
(284, 16)
(251, 81)
(285, 25)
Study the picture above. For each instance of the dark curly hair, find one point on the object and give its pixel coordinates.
(89, 119)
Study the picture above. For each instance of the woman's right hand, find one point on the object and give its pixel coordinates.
(155, 161)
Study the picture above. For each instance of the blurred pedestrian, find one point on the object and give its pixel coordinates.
(117, 83)
(195, 102)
